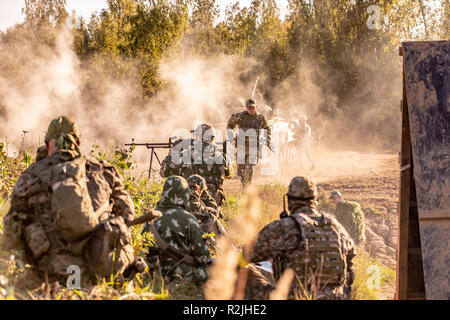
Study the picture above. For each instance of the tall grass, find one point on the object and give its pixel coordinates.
(244, 216)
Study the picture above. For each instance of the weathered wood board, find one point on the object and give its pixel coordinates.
(427, 77)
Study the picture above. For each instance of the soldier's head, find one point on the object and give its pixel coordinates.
(62, 133)
(197, 182)
(335, 196)
(251, 106)
(175, 192)
(205, 133)
(302, 191)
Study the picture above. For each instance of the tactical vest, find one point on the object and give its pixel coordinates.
(321, 262)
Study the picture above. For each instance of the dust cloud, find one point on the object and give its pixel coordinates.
(50, 81)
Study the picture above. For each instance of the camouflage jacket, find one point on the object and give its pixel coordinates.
(282, 242)
(246, 121)
(30, 222)
(214, 169)
(181, 230)
(351, 217)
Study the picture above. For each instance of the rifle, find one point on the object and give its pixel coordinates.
(149, 216)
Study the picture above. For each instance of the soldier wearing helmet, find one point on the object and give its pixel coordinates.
(250, 123)
(313, 244)
(67, 209)
(206, 160)
(182, 251)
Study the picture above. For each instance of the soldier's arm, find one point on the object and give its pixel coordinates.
(198, 246)
(123, 205)
(233, 122)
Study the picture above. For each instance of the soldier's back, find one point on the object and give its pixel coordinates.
(181, 230)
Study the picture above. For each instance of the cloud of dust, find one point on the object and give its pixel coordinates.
(51, 82)
(365, 119)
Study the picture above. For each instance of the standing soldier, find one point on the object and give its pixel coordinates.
(179, 244)
(69, 210)
(250, 123)
(205, 159)
(311, 243)
(350, 215)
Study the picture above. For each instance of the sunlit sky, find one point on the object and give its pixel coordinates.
(10, 10)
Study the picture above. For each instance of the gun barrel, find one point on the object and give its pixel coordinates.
(151, 145)
(146, 217)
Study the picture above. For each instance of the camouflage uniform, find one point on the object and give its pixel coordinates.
(246, 121)
(203, 206)
(314, 245)
(33, 223)
(213, 169)
(350, 215)
(180, 230)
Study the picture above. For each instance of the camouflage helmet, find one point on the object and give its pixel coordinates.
(62, 125)
(205, 132)
(335, 193)
(302, 188)
(175, 192)
(197, 180)
(250, 103)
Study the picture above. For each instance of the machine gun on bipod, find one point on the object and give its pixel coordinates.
(155, 145)
(173, 141)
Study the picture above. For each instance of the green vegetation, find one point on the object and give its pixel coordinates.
(145, 192)
(367, 271)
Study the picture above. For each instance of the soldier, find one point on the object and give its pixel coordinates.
(302, 133)
(247, 120)
(179, 244)
(205, 160)
(313, 244)
(350, 215)
(204, 207)
(69, 210)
